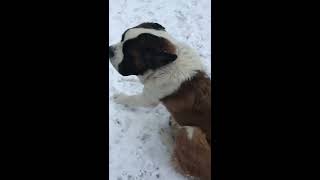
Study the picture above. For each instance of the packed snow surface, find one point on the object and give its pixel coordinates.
(139, 138)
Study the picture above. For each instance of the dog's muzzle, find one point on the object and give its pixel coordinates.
(111, 51)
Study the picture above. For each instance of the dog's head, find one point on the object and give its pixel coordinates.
(145, 47)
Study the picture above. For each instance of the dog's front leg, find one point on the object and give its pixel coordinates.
(139, 100)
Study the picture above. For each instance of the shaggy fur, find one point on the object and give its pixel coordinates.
(192, 153)
(172, 74)
(161, 82)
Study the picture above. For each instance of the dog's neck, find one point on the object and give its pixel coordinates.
(167, 79)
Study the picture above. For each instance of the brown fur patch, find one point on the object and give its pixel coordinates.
(192, 157)
(190, 105)
(146, 52)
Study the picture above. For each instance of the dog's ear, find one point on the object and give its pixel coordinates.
(157, 60)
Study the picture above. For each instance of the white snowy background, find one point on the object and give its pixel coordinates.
(139, 140)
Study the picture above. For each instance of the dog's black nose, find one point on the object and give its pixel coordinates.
(111, 53)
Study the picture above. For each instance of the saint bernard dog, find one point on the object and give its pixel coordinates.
(172, 74)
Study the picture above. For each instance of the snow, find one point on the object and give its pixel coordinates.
(139, 138)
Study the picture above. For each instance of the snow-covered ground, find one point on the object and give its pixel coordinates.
(139, 141)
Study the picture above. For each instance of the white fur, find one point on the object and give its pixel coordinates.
(118, 56)
(165, 80)
(133, 33)
(175, 126)
(135, 100)
(190, 131)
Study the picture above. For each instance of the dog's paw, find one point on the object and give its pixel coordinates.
(121, 98)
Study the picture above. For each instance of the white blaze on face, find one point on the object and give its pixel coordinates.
(131, 34)
(135, 32)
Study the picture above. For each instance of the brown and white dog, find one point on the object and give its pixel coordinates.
(172, 74)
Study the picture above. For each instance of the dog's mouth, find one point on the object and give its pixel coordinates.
(111, 52)
(112, 57)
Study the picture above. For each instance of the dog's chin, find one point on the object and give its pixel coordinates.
(119, 70)
(124, 72)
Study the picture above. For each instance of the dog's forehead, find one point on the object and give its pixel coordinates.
(135, 32)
